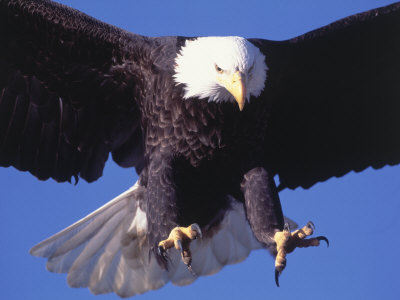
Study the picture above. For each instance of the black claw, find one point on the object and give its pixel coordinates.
(180, 246)
(311, 225)
(196, 227)
(323, 238)
(76, 179)
(189, 266)
(161, 256)
(162, 253)
(286, 227)
(277, 274)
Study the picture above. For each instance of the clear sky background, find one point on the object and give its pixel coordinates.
(358, 213)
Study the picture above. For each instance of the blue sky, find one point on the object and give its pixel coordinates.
(358, 213)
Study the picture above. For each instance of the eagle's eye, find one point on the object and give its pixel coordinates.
(218, 69)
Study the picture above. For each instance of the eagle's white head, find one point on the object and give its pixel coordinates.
(221, 69)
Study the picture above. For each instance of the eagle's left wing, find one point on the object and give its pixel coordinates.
(335, 98)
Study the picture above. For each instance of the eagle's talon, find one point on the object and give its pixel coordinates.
(286, 227)
(311, 225)
(189, 266)
(323, 238)
(179, 242)
(277, 274)
(286, 242)
(180, 239)
(196, 228)
(162, 253)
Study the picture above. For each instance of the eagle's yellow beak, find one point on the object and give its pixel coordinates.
(236, 86)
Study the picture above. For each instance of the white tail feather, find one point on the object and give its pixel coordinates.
(108, 251)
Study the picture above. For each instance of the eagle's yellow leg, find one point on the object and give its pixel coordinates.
(287, 241)
(180, 238)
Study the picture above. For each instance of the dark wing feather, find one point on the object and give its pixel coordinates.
(69, 87)
(335, 96)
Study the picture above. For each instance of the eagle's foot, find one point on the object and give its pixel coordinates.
(287, 241)
(180, 238)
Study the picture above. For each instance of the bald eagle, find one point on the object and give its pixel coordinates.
(207, 123)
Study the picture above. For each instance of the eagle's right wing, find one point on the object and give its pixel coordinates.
(69, 86)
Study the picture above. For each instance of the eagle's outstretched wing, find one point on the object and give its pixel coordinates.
(68, 91)
(336, 98)
(68, 85)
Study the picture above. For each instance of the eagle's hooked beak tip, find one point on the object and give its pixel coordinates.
(237, 87)
(241, 104)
